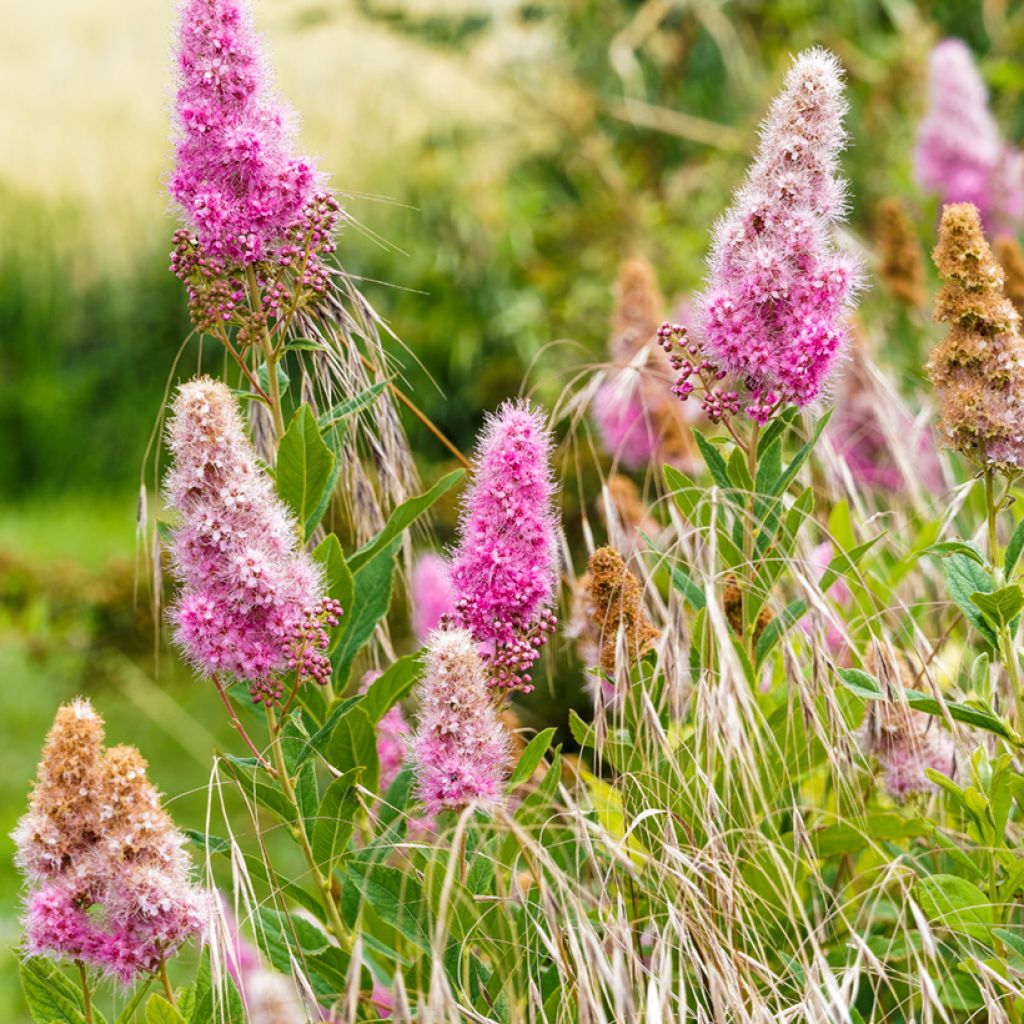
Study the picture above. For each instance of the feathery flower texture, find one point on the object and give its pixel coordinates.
(430, 593)
(505, 568)
(108, 876)
(252, 603)
(461, 749)
(772, 314)
(979, 368)
(247, 199)
(960, 154)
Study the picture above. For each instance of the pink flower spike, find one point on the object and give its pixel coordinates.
(778, 291)
(252, 604)
(431, 594)
(461, 749)
(505, 569)
(960, 154)
(236, 180)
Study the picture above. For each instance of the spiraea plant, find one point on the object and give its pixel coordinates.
(796, 793)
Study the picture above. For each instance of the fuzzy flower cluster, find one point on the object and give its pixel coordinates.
(505, 569)
(772, 316)
(906, 743)
(636, 417)
(247, 199)
(109, 879)
(960, 154)
(430, 593)
(978, 368)
(461, 749)
(252, 603)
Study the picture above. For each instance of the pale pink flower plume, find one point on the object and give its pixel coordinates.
(622, 422)
(505, 569)
(109, 879)
(839, 592)
(252, 604)
(960, 154)
(906, 743)
(461, 749)
(430, 594)
(778, 290)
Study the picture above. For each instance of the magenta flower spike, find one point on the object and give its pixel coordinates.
(461, 749)
(778, 290)
(505, 569)
(960, 155)
(236, 180)
(252, 604)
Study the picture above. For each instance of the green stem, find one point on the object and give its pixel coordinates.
(269, 355)
(990, 512)
(166, 982)
(337, 926)
(746, 598)
(86, 992)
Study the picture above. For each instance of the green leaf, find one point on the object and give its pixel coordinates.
(956, 904)
(305, 470)
(1013, 549)
(769, 467)
(776, 629)
(582, 733)
(531, 757)
(316, 742)
(956, 547)
(127, 1015)
(866, 686)
(394, 683)
(683, 582)
(687, 495)
(714, 461)
(335, 819)
(278, 933)
(339, 576)
(351, 406)
(842, 564)
(739, 474)
(403, 517)
(965, 577)
(304, 345)
(800, 458)
(395, 896)
(159, 1011)
(1001, 606)
(212, 844)
(850, 836)
(50, 996)
(306, 791)
(263, 377)
(353, 744)
(372, 598)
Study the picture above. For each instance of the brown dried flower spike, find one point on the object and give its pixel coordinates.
(979, 368)
(1011, 259)
(901, 265)
(615, 605)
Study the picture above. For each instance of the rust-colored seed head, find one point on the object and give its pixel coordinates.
(638, 309)
(979, 368)
(615, 603)
(732, 602)
(628, 505)
(901, 265)
(1011, 259)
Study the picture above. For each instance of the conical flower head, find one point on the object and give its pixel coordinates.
(505, 569)
(63, 819)
(615, 605)
(109, 880)
(960, 154)
(772, 314)
(252, 602)
(979, 368)
(461, 749)
(241, 189)
(901, 264)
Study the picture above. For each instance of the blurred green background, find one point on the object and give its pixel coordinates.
(497, 161)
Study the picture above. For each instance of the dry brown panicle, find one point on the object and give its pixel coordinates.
(1011, 259)
(638, 311)
(901, 262)
(628, 505)
(615, 603)
(979, 367)
(732, 603)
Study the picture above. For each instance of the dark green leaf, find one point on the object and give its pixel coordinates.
(403, 517)
(305, 470)
(531, 757)
(316, 742)
(50, 996)
(394, 683)
(212, 844)
(957, 547)
(843, 563)
(395, 896)
(335, 819)
(964, 577)
(351, 406)
(777, 628)
(278, 933)
(957, 904)
(1000, 607)
(1013, 549)
(682, 581)
(353, 744)
(714, 461)
(787, 477)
